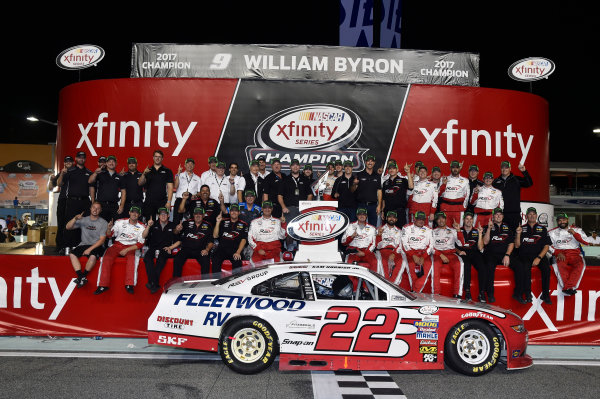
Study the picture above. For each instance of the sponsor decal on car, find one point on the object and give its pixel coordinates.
(516, 353)
(300, 324)
(427, 342)
(429, 357)
(295, 343)
(428, 309)
(478, 315)
(426, 324)
(239, 302)
(426, 335)
(169, 340)
(174, 322)
(428, 349)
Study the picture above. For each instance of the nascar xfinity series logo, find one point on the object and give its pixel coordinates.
(311, 133)
(318, 225)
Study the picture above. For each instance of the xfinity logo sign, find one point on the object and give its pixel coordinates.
(500, 144)
(530, 69)
(320, 225)
(80, 57)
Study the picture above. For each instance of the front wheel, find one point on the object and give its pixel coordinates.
(248, 345)
(472, 348)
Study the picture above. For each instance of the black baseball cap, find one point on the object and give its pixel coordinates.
(562, 215)
(308, 166)
(267, 204)
(199, 210)
(348, 163)
(131, 160)
(392, 164)
(338, 162)
(455, 164)
(531, 209)
(505, 164)
(392, 213)
(474, 167)
(361, 211)
(468, 213)
(420, 215)
(370, 157)
(498, 210)
(221, 164)
(295, 161)
(419, 164)
(273, 160)
(163, 209)
(80, 154)
(68, 158)
(135, 209)
(212, 159)
(233, 207)
(190, 160)
(262, 158)
(101, 159)
(440, 214)
(111, 157)
(253, 162)
(330, 163)
(488, 174)
(249, 192)
(436, 168)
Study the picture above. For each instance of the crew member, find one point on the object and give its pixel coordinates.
(445, 240)
(107, 184)
(416, 250)
(329, 182)
(249, 210)
(360, 238)
(473, 182)
(388, 241)
(368, 192)
(232, 234)
(454, 194)
(212, 170)
(485, 199)
(499, 242)
(237, 182)
(93, 233)
(158, 181)
(395, 190)
(344, 192)
(272, 186)
(253, 180)
(424, 195)
(132, 194)
(128, 239)
(307, 172)
(262, 167)
(569, 263)
(469, 249)
(196, 242)
(533, 242)
(61, 206)
(202, 200)
(294, 188)
(265, 233)
(185, 182)
(162, 241)
(511, 185)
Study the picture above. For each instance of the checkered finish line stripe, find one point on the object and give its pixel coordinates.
(355, 385)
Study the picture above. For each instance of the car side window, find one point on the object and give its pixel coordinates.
(288, 285)
(346, 287)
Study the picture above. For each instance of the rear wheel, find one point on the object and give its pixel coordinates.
(472, 348)
(248, 345)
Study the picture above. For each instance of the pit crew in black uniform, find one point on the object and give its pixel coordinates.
(132, 194)
(344, 192)
(470, 252)
(499, 242)
(368, 192)
(203, 200)
(394, 192)
(158, 181)
(106, 183)
(532, 242)
(511, 185)
(232, 234)
(161, 241)
(473, 182)
(196, 242)
(271, 186)
(61, 206)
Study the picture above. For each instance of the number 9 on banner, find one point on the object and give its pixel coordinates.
(220, 61)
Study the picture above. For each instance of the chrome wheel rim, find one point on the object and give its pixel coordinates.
(248, 345)
(473, 346)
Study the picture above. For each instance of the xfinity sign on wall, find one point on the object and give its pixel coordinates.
(530, 69)
(80, 57)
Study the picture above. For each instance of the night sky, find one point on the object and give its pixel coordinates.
(500, 34)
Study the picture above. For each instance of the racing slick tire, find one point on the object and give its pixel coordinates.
(248, 345)
(472, 348)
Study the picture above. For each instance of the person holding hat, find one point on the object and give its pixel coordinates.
(238, 183)
(424, 197)
(158, 181)
(202, 200)
(499, 243)
(445, 241)
(344, 192)
(272, 186)
(368, 192)
(74, 182)
(212, 170)
(359, 239)
(232, 234)
(196, 243)
(93, 234)
(132, 194)
(473, 182)
(105, 182)
(265, 235)
(128, 239)
(569, 263)
(533, 243)
(454, 194)
(186, 181)
(162, 242)
(61, 203)
(485, 199)
(387, 243)
(253, 180)
(511, 185)
(416, 251)
(395, 189)
(469, 249)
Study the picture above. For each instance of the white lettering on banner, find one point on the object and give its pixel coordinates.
(452, 130)
(35, 280)
(536, 307)
(161, 124)
(314, 63)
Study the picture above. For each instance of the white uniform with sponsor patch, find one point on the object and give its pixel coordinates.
(265, 230)
(127, 233)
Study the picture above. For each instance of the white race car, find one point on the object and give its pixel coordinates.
(320, 316)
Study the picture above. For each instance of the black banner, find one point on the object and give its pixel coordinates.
(313, 122)
(296, 62)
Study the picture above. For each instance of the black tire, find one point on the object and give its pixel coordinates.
(472, 348)
(248, 345)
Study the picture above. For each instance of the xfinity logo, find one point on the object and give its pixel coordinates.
(318, 225)
(530, 69)
(160, 132)
(502, 144)
(80, 57)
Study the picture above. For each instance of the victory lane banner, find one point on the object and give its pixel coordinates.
(302, 62)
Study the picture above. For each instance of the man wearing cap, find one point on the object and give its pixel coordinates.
(212, 170)
(196, 243)
(368, 192)
(132, 194)
(511, 185)
(469, 249)
(220, 188)
(454, 194)
(326, 182)
(594, 240)
(75, 183)
(436, 177)
(202, 200)
(418, 166)
(485, 199)
(473, 182)
(102, 162)
(158, 181)
(416, 251)
(249, 210)
(106, 183)
(533, 242)
(445, 241)
(61, 206)
(93, 234)
(232, 234)
(569, 263)
(271, 186)
(265, 233)
(262, 167)
(359, 239)
(344, 190)
(387, 243)
(128, 239)
(424, 197)
(307, 171)
(253, 180)
(395, 189)
(185, 182)
(238, 183)
(293, 188)
(161, 240)
(338, 166)
(499, 242)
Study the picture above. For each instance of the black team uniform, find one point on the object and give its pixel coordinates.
(194, 239)
(158, 238)
(61, 209)
(230, 236)
(156, 190)
(134, 193)
(107, 194)
(271, 186)
(210, 206)
(472, 185)
(473, 258)
(394, 197)
(347, 198)
(367, 193)
(501, 237)
(511, 193)
(533, 239)
(75, 183)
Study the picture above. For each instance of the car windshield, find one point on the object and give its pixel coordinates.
(227, 279)
(395, 287)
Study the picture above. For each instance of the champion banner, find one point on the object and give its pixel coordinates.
(38, 297)
(301, 62)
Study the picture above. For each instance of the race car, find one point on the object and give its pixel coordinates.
(332, 316)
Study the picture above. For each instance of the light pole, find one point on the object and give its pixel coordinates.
(34, 119)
